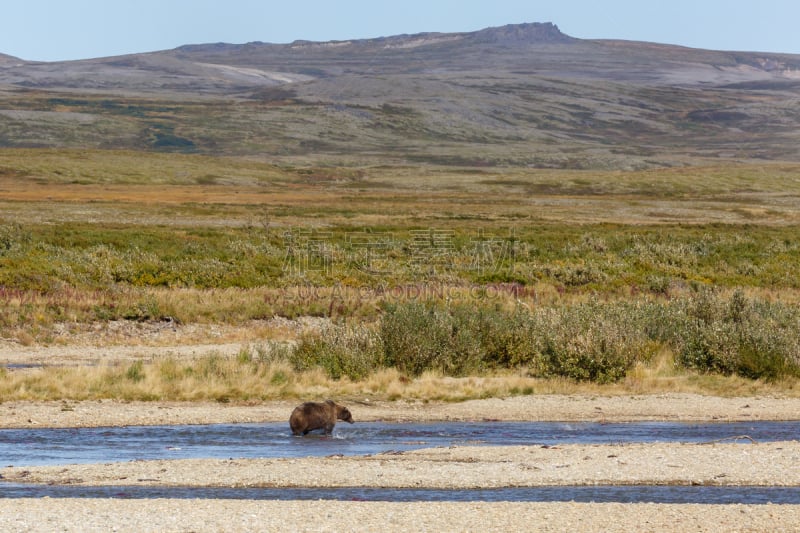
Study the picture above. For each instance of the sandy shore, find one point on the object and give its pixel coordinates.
(686, 407)
(235, 515)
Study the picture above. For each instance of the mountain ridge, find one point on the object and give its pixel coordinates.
(186, 67)
(521, 95)
(9, 60)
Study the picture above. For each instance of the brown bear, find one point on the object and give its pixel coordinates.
(313, 415)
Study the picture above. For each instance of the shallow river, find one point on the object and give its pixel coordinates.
(601, 493)
(32, 447)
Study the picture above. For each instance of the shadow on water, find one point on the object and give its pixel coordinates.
(596, 494)
(37, 447)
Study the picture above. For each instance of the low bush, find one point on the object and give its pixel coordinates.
(351, 351)
(419, 337)
(753, 339)
(460, 340)
(590, 341)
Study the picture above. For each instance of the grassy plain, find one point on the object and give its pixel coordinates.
(90, 236)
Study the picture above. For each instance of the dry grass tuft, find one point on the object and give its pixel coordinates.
(242, 379)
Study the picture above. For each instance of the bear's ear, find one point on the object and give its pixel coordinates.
(330, 402)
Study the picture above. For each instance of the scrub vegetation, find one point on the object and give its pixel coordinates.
(524, 280)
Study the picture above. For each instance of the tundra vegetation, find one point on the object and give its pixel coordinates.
(515, 280)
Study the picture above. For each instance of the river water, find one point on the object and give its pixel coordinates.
(35, 447)
(600, 493)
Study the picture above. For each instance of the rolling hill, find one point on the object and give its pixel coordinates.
(517, 95)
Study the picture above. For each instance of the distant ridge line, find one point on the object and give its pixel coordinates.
(509, 34)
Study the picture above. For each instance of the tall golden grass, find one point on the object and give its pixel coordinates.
(244, 378)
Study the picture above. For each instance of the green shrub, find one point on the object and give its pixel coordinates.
(11, 236)
(589, 342)
(508, 340)
(352, 351)
(584, 342)
(753, 339)
(135, 372)
(419, 337)
(596, 341)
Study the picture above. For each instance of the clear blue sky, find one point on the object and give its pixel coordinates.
(48, 30)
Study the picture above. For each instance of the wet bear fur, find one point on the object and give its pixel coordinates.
(318, 415)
